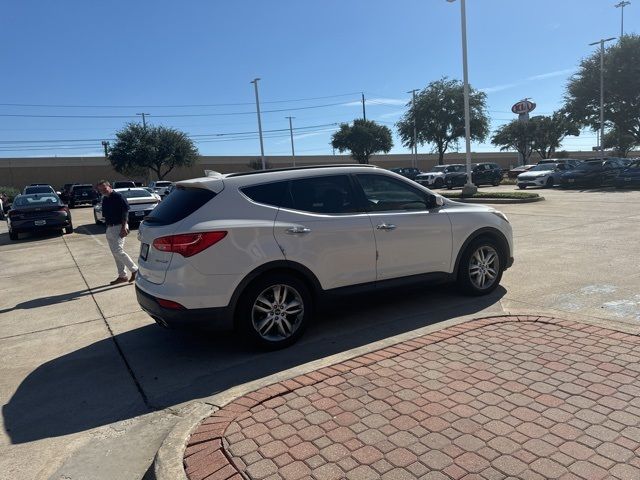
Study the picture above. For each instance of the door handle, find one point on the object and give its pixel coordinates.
(385, 226)
(296, 230)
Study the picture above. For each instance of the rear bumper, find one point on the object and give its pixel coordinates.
(30, 226)
(205, 318)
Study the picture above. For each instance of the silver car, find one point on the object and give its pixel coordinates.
(542, 175)
(140, 201)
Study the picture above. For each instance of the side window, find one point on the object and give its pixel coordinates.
(329, 195)
(385, 194)
(273, 194)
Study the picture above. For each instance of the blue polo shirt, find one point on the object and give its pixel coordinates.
(115, 208)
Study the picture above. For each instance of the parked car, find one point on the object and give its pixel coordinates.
(630, 176)
(82, 194)
(572, 162)
(160, 187)
(436, 176)
(38, 211)
(259, 249)
(514, 172)
(481, 174)
(542, 175)
(592, 173)
(408, 172)
(140, 200)
(154, 194)
(64, 192)
(123, 184)
(40, 188)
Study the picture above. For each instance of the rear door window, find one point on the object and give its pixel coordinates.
(274, 194)
(180, 204)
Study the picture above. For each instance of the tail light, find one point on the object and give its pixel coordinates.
(169, 304)
(188, 244)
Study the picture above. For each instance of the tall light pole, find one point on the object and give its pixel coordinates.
(621, 6)
(469, 188)
(293, 151)
(415, 128)
(255, 84)
(601, 42)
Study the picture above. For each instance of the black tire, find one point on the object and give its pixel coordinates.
(13, 235)
(549, 183)
(522, 187)
(69, 229)
(465, 281)
(265, 287)
(439, 183)
(72, 205)
(449, 187)
(495, 182)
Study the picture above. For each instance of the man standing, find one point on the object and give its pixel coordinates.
(115, 210)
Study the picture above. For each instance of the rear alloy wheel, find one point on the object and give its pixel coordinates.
(480, 269)
(274, 311)
(522, 187)
(496, 182)
(549, 183)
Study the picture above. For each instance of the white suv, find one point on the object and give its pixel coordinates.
(256, 251)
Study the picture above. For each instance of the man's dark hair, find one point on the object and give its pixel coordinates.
(103, 182)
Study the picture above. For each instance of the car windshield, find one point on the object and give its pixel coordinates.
(439, 168)
(35, 200)
(137, 193)
(544, 167)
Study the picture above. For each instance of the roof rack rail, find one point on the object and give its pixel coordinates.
(307, 167)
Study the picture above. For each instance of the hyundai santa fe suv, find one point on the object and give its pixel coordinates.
(257, 250)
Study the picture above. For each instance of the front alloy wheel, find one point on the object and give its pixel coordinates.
(480, 268)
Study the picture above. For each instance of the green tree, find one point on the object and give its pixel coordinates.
(548, 132)
(362, 139)
(439, 116)
(622, 88)
(515, 135)
(619, 140)
(138, 149)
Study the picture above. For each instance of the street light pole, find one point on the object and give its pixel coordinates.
(621, 6)
(415, 129)
(255, 84)
(600, 141)
(469, 189)
(293, 151)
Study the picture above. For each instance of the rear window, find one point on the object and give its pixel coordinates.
(163, 184)
(82, 188)
(180, 204)
(29, 190)
(137, 193)
(35, 200)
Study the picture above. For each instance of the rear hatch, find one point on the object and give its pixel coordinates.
(83, 193)
(166, 219)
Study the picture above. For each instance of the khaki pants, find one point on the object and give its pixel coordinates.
(116, 244)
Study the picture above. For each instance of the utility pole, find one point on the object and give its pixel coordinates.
(144, 121)
(293, 151)
(364, 111)
(105, 145)
(415, 129)
(621, 6)
(601, 42)
(255, 84)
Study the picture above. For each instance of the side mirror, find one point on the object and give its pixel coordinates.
(435, 201)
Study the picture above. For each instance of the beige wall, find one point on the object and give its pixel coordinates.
(56, 171)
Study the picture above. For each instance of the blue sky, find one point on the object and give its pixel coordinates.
(179, 61)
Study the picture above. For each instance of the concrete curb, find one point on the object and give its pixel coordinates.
(168, 463)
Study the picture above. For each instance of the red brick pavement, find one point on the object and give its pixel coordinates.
(501, 397)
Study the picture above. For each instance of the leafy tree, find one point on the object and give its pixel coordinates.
(549, 131)
(621, 88)
(138, 149)
(362, 139)
(515, 135)
(439, 115)
(619, 140)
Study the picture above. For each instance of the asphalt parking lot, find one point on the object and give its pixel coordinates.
(90, 385)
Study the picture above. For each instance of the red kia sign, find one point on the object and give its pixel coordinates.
(523, 106)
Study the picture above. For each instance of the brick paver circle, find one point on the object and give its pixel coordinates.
(523, 397)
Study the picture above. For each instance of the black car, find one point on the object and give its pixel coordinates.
(630, 176)
(38, 211)
(82, 194)
(408, 172)
(64, 192)
(593, 172)
(481, 174)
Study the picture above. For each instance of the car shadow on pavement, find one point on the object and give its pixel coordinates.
(90, 229)
(91, 387)
(64, 297)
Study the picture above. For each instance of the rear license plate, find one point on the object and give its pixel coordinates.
(571, 180)
(39, 223)
(140, 214)
(84, 194)
(144, 251)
